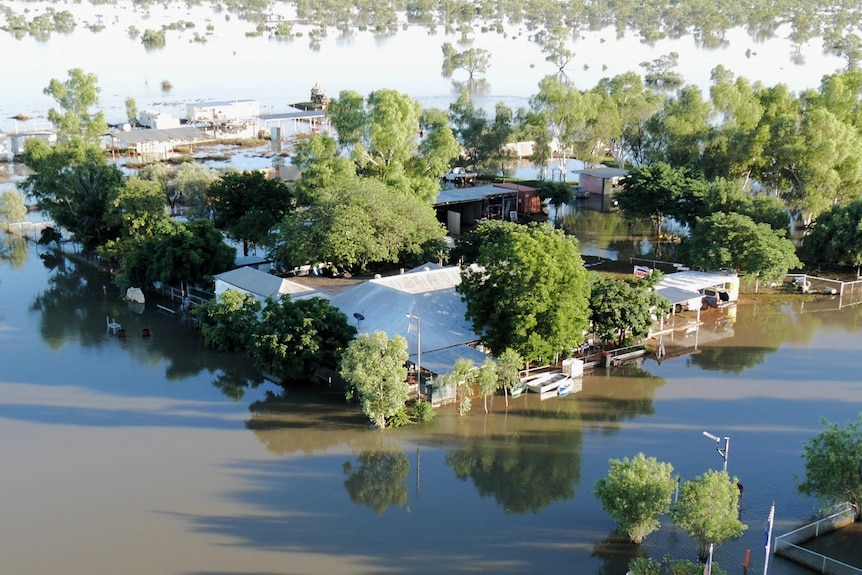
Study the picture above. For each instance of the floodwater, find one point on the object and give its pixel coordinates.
(231, 64)
(150, 454)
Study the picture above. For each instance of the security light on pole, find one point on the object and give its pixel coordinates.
(721, 451)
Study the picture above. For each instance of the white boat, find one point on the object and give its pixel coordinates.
(546, 382)
(460, 177)
(570, 386)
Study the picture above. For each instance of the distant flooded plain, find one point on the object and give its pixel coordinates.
(150, 454)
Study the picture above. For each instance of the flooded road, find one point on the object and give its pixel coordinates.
(151, 454)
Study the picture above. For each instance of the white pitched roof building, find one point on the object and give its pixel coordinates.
(260, 284)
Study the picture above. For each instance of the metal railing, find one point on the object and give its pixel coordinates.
(786, 545)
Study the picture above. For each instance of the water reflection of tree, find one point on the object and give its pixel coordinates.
(608, 232)
(524, 472)
(379, 480)
(615, 552)
(759, 330)
(309, 421)
(15, 251)
(475, 87)
(627, 393)
(76, 302)
(66, 311)
(234, 380)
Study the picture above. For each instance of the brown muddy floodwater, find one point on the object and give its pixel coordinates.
(151, 456)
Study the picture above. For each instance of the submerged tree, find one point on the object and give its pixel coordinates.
(76, 96)
(12, 208)
(294, 339)
(487, 381)
(473, 61)
(833, 464)
(836, 237)
(636, 492)
(620, 307)
(374, 367)
(734, 241)
(228, 321)
(708, 510)
(76, 187)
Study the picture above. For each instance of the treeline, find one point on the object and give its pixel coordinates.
(837, 22)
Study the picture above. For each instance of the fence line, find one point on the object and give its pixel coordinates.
(786, 545)
(848, 292)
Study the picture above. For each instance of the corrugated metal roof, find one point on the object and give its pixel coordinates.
(695, 281)
(604, 173)
(442, 361)
(676, 295)
(683, 286)
(387, 304)
(423, 279)
(168, 135)
(464, 195)
(261, 283)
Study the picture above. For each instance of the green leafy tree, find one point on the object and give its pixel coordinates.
(733, 146)
(75, 97)
(836, 237)
(660, 73)
(132, 110)
(627, 107)
(320, 167)
(509, 364)
(192, 184)
(178, 254)
(473, 61)
(354, 223)
(12, 208)
(141, 204)
(570, 116)
(620, 307)
(374, 367)
(833, 464)
(652, 191)
(482, 140)
(391, 139)
(463, 376)
(636, 492)
(708, 510)
(77, 188)
(829, 167)
(555, 46)
(700, 199)
(294, 339)
(557, 193)
(228, 321)
(487, 381)
(348, 117)
(247, 206)
(680, 128)
(734, 241)
(536, 274)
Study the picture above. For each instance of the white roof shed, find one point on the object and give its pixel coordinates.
(260, 284)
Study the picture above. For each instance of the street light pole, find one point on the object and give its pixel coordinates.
(722, 452)
(418, 352)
